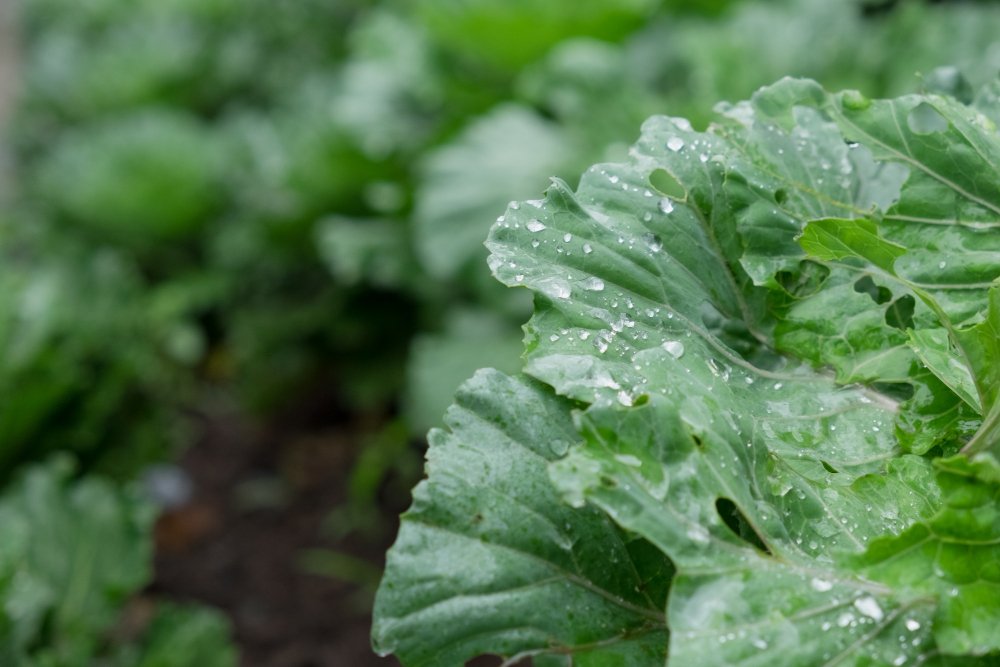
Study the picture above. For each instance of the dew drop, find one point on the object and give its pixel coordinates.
(535, 225)
(665, 205)
(674, 348)
(556, 288)
(675, 143)
(869, 607)
(820, 585)
(593, 285)
(697, 533)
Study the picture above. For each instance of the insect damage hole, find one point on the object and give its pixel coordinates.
(737, 522)
(877, 293)
(899, 314)
(664, 182)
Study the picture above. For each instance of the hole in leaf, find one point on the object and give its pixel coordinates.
(697, 441)
(608, 482)
(900, 391)
(807, 280)
(829, 468)
(878, 293)
(780, 196)
(737, 522)
(899, 314)
(664, 181)
(642, 399)
(925, 119)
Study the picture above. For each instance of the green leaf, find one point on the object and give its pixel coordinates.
(981, 347)
(179, 637)
(512, 151)
(833, 238)
(506, 35)
(71, 554)
(713, 366)
(439, 363)
(799, 457)
(642, 300)
(981, 344)
(488, 560)
(389, 86)
(104, 176)
(936, 352)
(953, 556)
(370, 251)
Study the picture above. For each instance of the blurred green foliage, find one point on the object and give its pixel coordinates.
(71, 555)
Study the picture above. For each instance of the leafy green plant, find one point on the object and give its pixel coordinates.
(758, 419)
(105, 178)
(73, 553)
(82, 336)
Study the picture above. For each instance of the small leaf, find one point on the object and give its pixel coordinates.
(834, 238)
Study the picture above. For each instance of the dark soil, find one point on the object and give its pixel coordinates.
(262, 500)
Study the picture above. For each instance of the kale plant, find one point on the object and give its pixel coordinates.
(758, 421)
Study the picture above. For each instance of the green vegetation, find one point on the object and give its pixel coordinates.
(679, 475)
(253, 200)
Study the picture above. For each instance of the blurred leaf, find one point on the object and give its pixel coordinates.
(141, 179)
(70, 365)
(439, 362)
(590, 87)
(181, 637)
(375, 252)
(508, 34)
(71, 554)
(390, 90)
(464, 185)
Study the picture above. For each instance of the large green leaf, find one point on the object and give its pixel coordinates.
(625, 318)
(488, 560)
(656, 305)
